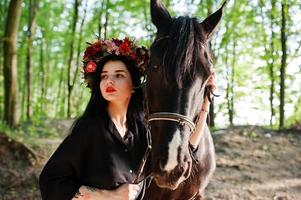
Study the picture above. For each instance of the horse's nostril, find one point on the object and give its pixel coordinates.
(158, 166)
(161, 165)
(187, 169)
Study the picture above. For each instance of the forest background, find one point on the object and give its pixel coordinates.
(256, 121)
(256, 51)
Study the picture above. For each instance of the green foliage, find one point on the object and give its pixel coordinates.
(30, 132)
(247, 24)
(295, 119)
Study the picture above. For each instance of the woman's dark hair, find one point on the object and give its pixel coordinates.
(97, 105)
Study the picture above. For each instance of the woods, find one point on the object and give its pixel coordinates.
(11, 110)
(255, 119)
(256, 53)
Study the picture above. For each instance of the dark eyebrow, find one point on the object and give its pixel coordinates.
(120, 71)
(114, 71)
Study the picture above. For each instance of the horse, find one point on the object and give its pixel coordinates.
(179, 65)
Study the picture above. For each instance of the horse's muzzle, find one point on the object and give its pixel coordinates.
(171, 180)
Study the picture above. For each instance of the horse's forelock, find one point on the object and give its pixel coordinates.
(186, 49)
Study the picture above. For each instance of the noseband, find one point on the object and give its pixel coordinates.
(175, 117)
(162, 116)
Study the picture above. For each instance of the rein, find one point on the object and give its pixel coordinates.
(144, 159)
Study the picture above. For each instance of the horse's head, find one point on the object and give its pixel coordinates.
(180, 64)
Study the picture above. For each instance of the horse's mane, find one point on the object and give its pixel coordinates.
(186, 53)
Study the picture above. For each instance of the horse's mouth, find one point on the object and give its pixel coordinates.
(170, 181)
(167, 185)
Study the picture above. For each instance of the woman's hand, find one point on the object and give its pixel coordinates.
(126, 192)
(212, 84)
(123, 192)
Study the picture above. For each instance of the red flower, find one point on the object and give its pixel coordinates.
(90, 67)
(88, 52)
(127, 40)
(117, 41)
(133, 56)
(125, 48)
(93, 50)
(97, 46)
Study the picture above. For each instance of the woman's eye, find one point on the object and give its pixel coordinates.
(103, 77)
(119, 75)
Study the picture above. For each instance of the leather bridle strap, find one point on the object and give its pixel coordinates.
(144, 159)
(175, 117)
(159, 116)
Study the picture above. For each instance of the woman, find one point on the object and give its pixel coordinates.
(100, 158)
(107, 143)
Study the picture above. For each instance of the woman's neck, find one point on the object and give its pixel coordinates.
(117, 113)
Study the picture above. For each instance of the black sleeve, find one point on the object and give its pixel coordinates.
(59, 177)
(194, 152)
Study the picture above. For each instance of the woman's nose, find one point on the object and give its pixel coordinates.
(110, 79)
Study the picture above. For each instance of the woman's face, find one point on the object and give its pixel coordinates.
(116, 82)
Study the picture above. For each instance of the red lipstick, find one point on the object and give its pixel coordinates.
(110, 89)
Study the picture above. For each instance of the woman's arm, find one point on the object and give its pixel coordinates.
(201, 123)
(124, 192)
(59, 177)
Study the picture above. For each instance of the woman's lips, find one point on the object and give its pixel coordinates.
(110, 89)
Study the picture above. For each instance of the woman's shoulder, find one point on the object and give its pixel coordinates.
(87, 124)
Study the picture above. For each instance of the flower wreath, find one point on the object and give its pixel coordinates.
(101, 48)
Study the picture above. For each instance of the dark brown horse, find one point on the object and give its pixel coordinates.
(180, 63)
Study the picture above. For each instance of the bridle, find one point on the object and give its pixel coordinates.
(182, 120)
(163, 116)
(175, 117)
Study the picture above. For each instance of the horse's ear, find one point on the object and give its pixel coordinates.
(212, 20)
(160, 16)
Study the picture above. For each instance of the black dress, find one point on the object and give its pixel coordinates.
(94, 155)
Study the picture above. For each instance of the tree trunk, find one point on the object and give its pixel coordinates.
(147, 24)
(79, 44)
(284, 11)
(228, 89)
(59, 95)
(43, 77)
(1, 74)
(3, 12)
(70, 85)
(100, 19)
(79, 95)
(11, 110)
(33, 7)
(269, 53)
(106, 19)
(271, 64)
(231, 100)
